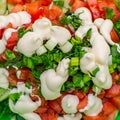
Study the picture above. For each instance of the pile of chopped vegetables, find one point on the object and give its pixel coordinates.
(59, 60)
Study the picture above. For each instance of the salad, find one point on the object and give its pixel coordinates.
(60, 60)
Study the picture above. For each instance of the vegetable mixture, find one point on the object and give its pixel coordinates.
(59, 60)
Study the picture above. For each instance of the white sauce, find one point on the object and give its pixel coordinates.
(51, 81)
(70, 103)
(94, 106)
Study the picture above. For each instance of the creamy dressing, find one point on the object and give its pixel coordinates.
(52, 81)
(70, 103)
(24, 105)
(98, 54)
(94, 106)
(16, 19)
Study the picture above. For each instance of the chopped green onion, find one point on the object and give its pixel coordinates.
(74, 61)
(41, 50)
(15, 96)
(95, 71)
(51, 44)
(9, 54)
(109, 13)
(66, 47)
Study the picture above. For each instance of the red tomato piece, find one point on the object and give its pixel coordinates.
(15, 1)
(77, 4)
(114, 36)
(55, 106)
(11, 42)
(34, 9)
(108, 108)
(17, 8)
(116, 101)
(93, 5)
(45, 2)
(83, 102)
(113, 91)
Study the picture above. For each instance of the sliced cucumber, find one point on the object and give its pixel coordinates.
(4, 93)
(117, 115)
(3, 6)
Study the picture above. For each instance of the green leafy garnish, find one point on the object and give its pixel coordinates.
(117, 3)
(15, 96)
(22, 31)
(117, 27)
(59, 3)
(109, 13)
(70, 19)
(9, 54)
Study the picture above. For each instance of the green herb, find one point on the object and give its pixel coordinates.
(22, 31)
(88, 35)
(117, 26)
(95, 71)
(59, 3)
(117, 3)
(15, 96)
(4, 93)
(70, 19)
(9, 54)
(27, 84)
(115, 58)
(74, 61)
(109, 13)
(118, 116)
(5, 112)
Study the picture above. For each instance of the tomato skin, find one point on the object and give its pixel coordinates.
(15, 1)
(83, 102)
(116, 101)
(108, 108)
(34, 9)
(11, 42)
(93, 6)
(17, 8)
(113, 91)
(114, 36)
(77, 4)
(45, 2)
(55, 106)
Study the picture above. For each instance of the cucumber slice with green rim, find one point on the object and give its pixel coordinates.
(4, 93)
(3, 7)
(117, 115)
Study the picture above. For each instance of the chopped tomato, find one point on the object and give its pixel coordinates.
(2, 57)
(15, 1)
(55, 106)
(115, 77)
(45, 2)
(11, 42)
(101, 6)
(80, 94)
(114, 36)
(113, 91)
(83, 102)
(34, 9)
(108, 108)
(116, 101)
(93, 6)
(17, 8)
(77, 4)
(53, 14)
